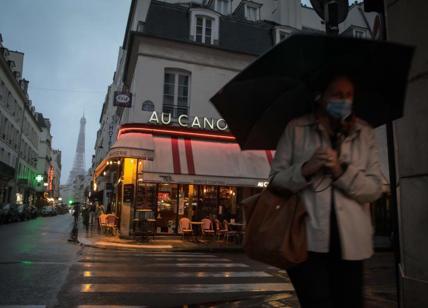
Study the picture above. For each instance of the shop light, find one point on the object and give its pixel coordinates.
(104, 173)
(176, 133)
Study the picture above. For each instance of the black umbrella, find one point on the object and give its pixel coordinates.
(281, 84)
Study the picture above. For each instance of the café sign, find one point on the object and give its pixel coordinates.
(184, 121)
(122, 99)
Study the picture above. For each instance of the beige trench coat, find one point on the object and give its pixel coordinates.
(353, 191)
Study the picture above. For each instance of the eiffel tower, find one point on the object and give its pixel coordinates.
(79, 158)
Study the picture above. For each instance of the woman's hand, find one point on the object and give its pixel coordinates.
(314, 164)
(327, 158)
(332, 163)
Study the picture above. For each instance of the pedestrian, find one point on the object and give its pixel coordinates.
(85, 218)
(92, 214)
(76, 212)
(330, 158)
(98, 211)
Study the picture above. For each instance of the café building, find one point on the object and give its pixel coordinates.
(165, 172)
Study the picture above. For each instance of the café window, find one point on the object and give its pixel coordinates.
(176, 92)
(167, 197)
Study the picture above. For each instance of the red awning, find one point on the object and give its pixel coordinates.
(183, 160)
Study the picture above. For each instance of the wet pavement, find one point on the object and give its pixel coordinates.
(40, 267)
(34, 260)
(167, 279)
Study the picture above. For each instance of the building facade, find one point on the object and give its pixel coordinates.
(20, 133)
(165, 151)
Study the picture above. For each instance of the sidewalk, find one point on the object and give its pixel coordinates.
(94, 238)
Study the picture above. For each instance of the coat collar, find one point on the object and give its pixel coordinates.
(312, 120)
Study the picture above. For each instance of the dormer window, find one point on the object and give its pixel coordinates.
(252, 11)
(204, 26)
(204, 29)
(223, 6)
(281, 34)
(360, 33)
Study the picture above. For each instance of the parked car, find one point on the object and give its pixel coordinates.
(9, 213)
(34, 212)
(23, 212)
(62, 208)
(48, 210)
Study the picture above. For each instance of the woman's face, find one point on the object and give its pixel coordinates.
(339, 89)
(338, 98)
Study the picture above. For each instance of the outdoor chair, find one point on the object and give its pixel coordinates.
(207, 227)
(184, 226)
(219, 229)
(102, 219)
(229, 232)
(112, 223)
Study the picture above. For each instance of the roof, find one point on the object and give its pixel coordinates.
(254, 37)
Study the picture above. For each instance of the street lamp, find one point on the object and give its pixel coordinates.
(333, 12)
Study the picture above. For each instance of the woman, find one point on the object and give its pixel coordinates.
(330, 158)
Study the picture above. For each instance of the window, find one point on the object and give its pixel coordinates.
(281, 34)
(204, 25)
(252, 12)
(359, 34)
(176, 92)
(204, 30)
(223, 6)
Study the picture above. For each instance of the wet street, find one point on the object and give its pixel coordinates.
(39, 267)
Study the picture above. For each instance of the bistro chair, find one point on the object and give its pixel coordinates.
(218, 229)
(112, 223)
(184, 226)
(229, 232)
(207, 227)
(102, 219)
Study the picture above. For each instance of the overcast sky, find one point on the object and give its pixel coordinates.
(70, 49)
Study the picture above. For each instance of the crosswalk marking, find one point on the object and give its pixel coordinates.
(150, 255)
(144, 274)
(157, 259)
(165, 278)
(118, 266)
(110, 306)
(184, 288)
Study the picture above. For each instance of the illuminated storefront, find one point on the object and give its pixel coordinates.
(165, 173)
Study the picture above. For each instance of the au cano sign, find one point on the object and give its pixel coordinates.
(184, 121)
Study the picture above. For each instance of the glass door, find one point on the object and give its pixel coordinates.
(167, 205)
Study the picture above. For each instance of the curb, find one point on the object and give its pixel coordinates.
(112, 246)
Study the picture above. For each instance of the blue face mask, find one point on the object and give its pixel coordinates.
(339, 108)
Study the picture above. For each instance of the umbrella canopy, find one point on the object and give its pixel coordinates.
(281, 84)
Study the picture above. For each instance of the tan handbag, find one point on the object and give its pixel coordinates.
(275, 228)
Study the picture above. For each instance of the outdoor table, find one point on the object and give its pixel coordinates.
(239, 228)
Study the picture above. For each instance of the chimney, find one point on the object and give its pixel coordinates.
(24, 85)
